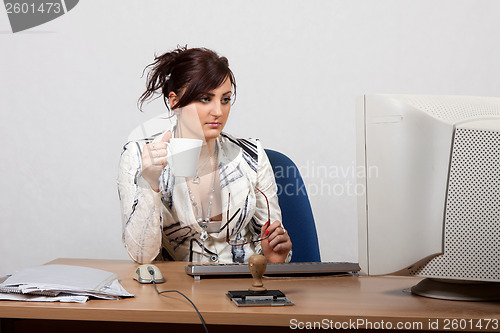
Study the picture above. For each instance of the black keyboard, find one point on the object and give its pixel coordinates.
(295, 268)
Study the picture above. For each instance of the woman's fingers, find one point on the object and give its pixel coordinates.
(277, 235)
(156, 153)
(276, 243)
(154, 159)
(166, 137)
(278, 240)
(275, 229)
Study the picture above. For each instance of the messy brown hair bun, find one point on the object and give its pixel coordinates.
(193, 72)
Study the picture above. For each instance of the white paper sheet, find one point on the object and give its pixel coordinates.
(63, 283)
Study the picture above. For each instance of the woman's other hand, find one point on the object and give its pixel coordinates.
(154, 159)
(276, 247)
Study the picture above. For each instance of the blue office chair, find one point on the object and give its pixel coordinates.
(295, 208)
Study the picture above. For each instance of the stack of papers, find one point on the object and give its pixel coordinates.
(61, 283)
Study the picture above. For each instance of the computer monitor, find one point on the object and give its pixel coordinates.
(430, 170)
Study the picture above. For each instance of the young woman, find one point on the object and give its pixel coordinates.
(229, 210)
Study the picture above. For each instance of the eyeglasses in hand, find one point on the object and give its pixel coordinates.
(240, 242)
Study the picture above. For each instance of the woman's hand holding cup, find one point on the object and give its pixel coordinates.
(154, 159)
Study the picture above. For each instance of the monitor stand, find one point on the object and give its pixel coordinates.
(457, 290)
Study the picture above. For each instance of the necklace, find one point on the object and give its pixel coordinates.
(201, 218)
(204, 220)
(196, 178)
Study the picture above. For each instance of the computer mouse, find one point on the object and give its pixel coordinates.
(145, 274)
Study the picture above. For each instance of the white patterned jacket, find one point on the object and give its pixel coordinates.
(162, 225)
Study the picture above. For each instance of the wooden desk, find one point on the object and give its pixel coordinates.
(348, 302)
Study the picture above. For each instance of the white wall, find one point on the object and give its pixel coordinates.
(68, 92)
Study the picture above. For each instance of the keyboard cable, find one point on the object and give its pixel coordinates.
(151, 272)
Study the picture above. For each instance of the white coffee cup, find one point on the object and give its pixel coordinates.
(184, 155)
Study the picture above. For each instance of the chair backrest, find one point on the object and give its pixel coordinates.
(296, 210)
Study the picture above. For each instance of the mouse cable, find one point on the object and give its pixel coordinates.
(176, 291)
